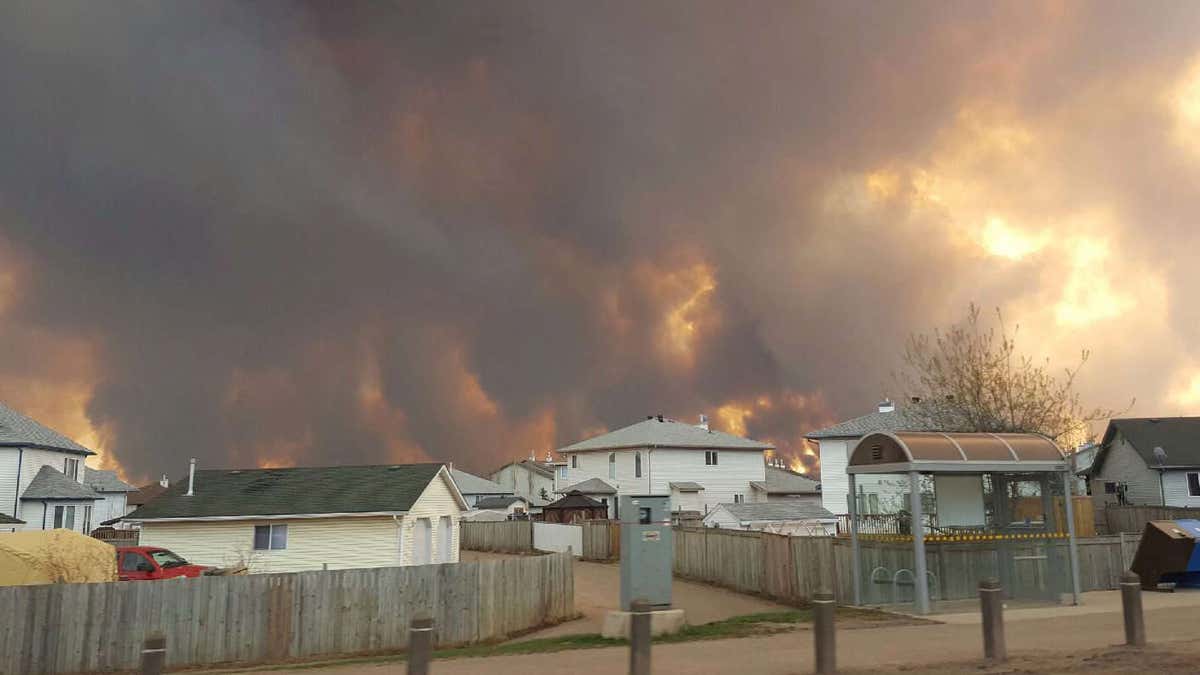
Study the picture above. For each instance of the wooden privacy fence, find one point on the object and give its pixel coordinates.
(789, 569)
(72, 628)
(512, 536)
(1133, 519)
(601, 540)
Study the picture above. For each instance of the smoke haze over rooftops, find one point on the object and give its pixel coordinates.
(313, 233)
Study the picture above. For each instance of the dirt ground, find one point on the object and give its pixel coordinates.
(1170, 659)
(597, 587)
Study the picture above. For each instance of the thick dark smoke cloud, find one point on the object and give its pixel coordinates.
(362, 232)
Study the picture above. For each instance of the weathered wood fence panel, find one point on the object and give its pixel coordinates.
(788, 569)
(1133, 519)
(511, 536)
(73, 628)
(601, 540)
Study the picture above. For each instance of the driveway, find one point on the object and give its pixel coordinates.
(597, 592)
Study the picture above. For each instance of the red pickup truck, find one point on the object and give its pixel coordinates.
(139, 563)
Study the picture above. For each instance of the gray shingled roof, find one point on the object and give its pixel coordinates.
(1179, 437)
(784, 482)
(784, 510)
(470, 484)
(9, 520)
(532, 465)
(499, 502)
(300, 490)
(50, 483)
(105, 481)
(591, 486)
(897, 420)
(666, 434)
(17, 430)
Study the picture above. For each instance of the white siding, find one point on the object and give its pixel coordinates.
(1123, 464)
(719, 517)
(437, 501)
(112, 506)
(339, 542)
(526, 483)
(8, 481)
(1176, 489)
(31, 461)
(732, 474)
(835, 486)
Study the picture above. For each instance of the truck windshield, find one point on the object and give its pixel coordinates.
(167, 559)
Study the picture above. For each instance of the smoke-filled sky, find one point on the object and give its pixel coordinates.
(290, 233)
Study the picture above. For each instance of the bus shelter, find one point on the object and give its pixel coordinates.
(932, 514)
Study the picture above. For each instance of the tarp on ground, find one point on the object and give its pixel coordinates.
(55, 557)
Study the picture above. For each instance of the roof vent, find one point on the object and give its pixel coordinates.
(660, 417)
(876, 452)
(886, 406)
(1160, 455)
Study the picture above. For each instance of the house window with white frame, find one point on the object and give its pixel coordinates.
(71, 468)
(710, 457)
(64, 517)
(574, 461)
(738, 499)
(612, 465)
(270, 537)
(1193, 483)
(637, 465)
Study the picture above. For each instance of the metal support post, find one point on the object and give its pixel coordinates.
(420, 645)
(1072, 548)
(639, 638)
(824, 644)
(855, 563)
(154, 654)
(991, 604)
(921, 583)
(1131, 605)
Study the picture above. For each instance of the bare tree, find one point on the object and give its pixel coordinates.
(970, 377)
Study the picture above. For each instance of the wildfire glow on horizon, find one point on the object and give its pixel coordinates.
(327, 242)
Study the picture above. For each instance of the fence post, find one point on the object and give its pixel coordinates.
(639, 638)
(420, 645)
(154, 654)
(1131, 606)
(991, 603)
(824, 645)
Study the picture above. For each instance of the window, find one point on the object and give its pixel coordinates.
(135, 562)
(71, 468)
(1110, 488)
(710, 457)
(637, 464)
(1193, 481)
(87, 519)
(167, 559)
(64, 517)
(738, 499)
(562, 472)
(612, 465)
(270, 537)
(574, 461)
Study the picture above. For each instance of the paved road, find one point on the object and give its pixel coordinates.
(1070, 630)
(597, 586)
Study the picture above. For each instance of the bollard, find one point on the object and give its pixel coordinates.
(639, 638)
(1131, 605)
(420, 645)
(154, 654)
(824, 649)
(991, 603)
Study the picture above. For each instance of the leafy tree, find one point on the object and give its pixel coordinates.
(971, 377)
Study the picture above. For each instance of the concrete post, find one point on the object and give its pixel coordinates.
(1131, 605)
(921, 583)
(824, 645)
(154, 654)
(991, 604)
(420, 645)
(1072, 548)
(855, 562)
(639, 638)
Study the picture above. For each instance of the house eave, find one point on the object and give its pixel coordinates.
(43, 446)
(283, 516)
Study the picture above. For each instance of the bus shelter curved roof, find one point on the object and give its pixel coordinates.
(934, 452)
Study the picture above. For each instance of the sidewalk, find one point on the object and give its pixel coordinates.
(1069, 630)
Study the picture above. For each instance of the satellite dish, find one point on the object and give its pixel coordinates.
(1160, 455)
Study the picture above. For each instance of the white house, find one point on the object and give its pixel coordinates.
(697, 466)
(876, 494)
(795, 518)
(535, 481)
(297, 519)
(42, 478)
(499, 508)
(785, 485)
(474, 488)
(114, 495)
(1148, 461)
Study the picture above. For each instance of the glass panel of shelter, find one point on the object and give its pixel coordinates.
(975, 526)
